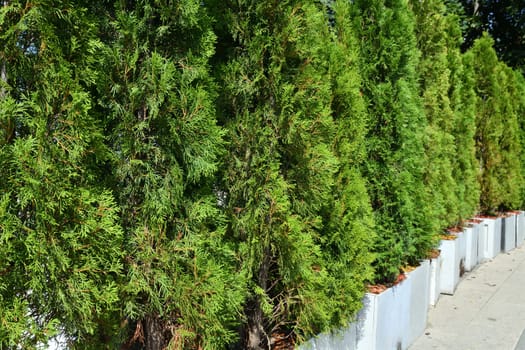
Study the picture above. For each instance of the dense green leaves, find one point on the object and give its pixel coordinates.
(519, 103)
(432, 30)
(349, 233)
(448, 99)
(497, 131)
(181, 287)
(463, 100)
(61, 241)
(231, 174)
(395, 165)
(279, 177)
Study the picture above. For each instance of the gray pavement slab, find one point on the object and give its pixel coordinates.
(487, 311)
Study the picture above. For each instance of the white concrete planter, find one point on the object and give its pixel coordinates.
(345, 339)
(367, 319)
(361, 334)
(382, 323)
(490, 237)
(419, 300)
(434, 283)
(471, 234)
(399, 314)
(520, 228)
(462, 246)
(508, 232)
(392, 319)
(450, 267)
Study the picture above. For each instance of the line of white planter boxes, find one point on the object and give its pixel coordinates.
(396, 317)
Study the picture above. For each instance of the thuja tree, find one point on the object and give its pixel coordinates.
(519, 99)
(180, 288)
(280, 171)
(497, 143)
(510, 175)
(463, 100)
(432, 29)
(395, 163)
(60, 240)
(349, 232)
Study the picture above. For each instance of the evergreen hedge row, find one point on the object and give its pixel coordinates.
(233, 174)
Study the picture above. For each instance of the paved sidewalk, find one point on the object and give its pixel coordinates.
(486, 312)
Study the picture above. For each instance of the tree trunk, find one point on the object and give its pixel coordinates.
(256, 336)
(154, 333)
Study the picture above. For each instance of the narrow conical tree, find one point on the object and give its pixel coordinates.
(488, 126)
(519, 99)
(463, 100)
(279, 173)
(395, 164)
(181, 289)
(60, 251)
(510, 174)
(497, 144)
(432, 29)
(349, 233)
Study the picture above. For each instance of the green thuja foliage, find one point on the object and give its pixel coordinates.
(432, 29)
(510, 174)
(60, 240)
(463, 100)
(488, 126)
(349, 233)
(181, 289)
(497, 143)
(396, 161)
(300, 220)
(519, 99)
